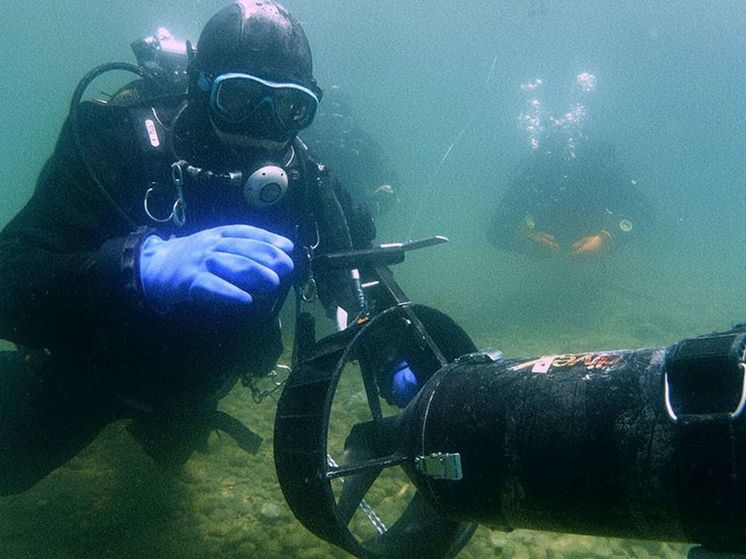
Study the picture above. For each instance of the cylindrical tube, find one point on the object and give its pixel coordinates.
(579, 443)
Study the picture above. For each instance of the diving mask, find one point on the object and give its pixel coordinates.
(236, 98)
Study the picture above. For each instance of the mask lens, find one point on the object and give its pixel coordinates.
(238, 98)
(294, 108)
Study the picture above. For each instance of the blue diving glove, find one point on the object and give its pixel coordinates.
(231, 264)
(404, 384)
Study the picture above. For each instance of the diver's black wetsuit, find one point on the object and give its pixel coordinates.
(71, 298)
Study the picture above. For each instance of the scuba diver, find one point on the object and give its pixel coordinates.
(354, 156)
(572, 196)
(146, 273)
(572, 199)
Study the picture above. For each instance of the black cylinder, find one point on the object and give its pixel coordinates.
(580, 443)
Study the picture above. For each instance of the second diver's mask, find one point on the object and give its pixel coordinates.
(245, 104)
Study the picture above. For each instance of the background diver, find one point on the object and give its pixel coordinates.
(572, 195)
(354, 156)
(575, 203)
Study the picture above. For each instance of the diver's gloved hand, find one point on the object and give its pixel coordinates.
(545, 241)
(404, 384)
(231, 264)
(592, 243)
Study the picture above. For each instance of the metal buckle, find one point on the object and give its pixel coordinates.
(440, 465)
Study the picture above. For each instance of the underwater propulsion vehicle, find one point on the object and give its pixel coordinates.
(646, 443)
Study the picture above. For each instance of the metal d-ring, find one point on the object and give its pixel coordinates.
(178, 209)
(146, 207)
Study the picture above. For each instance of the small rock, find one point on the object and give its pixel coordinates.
(270, 512)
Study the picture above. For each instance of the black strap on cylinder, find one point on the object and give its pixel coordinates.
(705, 392)
(705, 377)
